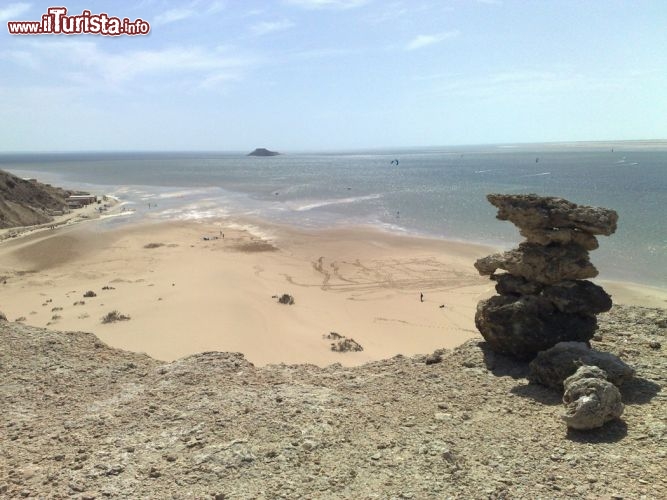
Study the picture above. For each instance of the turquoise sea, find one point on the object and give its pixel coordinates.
(438, 192)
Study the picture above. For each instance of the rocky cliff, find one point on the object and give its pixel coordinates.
(25, 203)
(83, 420)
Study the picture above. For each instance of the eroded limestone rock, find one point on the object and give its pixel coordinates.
(553, 366)
(531, 211)
(590, 399)
(560, 235)
(550, 264)
(523, 326)
(508, 284)
(581, 297)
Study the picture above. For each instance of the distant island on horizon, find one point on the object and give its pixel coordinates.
(263, 152)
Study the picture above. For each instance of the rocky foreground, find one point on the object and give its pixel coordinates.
(83, 420)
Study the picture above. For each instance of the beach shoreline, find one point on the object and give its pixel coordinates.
(212, 285)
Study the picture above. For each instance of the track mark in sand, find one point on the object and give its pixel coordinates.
(363, 278)
(378, 318)
(408, 323)
(326, 276)
(336, 270)
(291, 281)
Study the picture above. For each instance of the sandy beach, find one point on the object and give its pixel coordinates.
(187, 289)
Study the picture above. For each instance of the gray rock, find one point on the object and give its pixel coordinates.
(547, 265)
(581, 297)
(2, 316)
(561, 236)
(508, 284)
(553, 366)
(590, 399)
(433, 358)
(531, 211)
(524, 326)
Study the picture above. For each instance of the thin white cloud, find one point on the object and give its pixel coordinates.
(327, 4)
(266, 27)
(13, 10)
(528, 83)
(83, 62)
(390, 12)
(173, 15)
(421, 41)
(216, 7)
(218, 79)
(20, 57)
(254, 12)
(320, 53)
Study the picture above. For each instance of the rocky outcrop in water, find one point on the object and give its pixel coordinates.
(591, 400)
(543, 296)
(263, 152)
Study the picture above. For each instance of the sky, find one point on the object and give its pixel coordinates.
(309, 75)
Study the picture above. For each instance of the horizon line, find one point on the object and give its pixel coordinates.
(346, 150)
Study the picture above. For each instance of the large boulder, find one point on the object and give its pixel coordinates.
(553, 366)
(590, 399)
(581, 297)
(508, 284)
(531, 211)
(548, 265)
(524, 326)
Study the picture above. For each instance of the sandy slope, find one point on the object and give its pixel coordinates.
(190, 295)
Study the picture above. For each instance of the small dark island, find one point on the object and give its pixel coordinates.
(263, 152)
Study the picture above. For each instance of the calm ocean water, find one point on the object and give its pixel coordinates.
(435, 192)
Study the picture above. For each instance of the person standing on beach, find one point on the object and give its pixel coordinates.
(421, 297)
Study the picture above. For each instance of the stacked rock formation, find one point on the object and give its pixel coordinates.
(544, 297)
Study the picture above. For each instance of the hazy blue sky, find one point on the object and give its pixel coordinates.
(337, 74)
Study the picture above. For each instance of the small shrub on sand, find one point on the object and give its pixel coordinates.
(107, 287)
(56, 309)
(20, 319)
(342, 343)
(114, 316)
(286, 299)
(80, 303)
(346, 345)
(154, 245)
(56, 317)
(90, 293)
